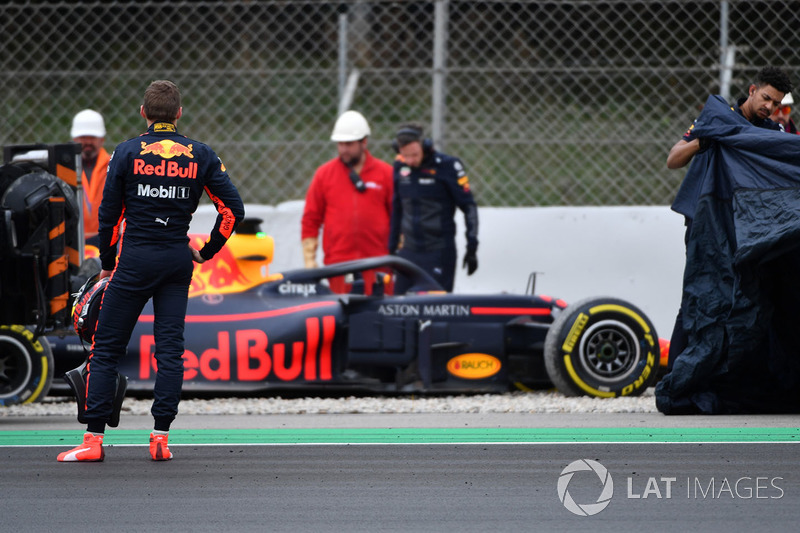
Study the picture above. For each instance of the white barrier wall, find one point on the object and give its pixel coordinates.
(633, 253)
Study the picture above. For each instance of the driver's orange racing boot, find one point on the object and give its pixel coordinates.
(159, 449)
(90, 450)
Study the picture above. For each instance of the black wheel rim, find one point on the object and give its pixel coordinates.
(609, 351)
(15, 366)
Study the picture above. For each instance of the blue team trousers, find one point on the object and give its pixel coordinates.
(162, 272)
(440, 264)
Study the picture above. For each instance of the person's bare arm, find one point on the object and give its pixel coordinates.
(682, 152)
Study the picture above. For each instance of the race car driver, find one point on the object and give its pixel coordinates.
(153, 186)
(428, 186)
(350, 197)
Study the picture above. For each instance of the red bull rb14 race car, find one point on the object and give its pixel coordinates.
(249, 331)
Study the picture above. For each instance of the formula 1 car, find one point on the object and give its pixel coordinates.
(249, 331)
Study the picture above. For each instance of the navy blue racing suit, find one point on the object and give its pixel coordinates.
(153, 186)
(423, 226)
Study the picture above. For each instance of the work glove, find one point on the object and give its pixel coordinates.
(471, 263)
(310, 252)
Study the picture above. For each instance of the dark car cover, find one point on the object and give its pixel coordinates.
(741, 285)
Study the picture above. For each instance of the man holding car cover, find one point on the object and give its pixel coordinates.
(153, 186)
(764, 96)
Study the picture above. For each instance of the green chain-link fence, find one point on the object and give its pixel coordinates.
(562, 102)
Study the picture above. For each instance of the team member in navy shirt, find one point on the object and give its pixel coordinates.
(763, 98)
(153, 185)
(428, 186)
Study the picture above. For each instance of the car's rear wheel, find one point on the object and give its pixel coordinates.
(602, 347)
(26, 366)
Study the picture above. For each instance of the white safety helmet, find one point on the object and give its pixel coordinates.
(88, 123)
(351, 126)
(787, 99)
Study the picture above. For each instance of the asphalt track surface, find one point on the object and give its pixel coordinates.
(452, 472)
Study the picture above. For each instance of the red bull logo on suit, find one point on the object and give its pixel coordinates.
(167, 149)
(167, 168)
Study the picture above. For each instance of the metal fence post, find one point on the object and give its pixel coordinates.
(342, 54)
(726, 53)
(439, 73)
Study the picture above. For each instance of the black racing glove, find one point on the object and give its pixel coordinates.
(471, 263)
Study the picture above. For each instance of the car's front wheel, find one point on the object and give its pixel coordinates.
(602, 347)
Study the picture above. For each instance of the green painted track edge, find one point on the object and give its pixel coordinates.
(411, 436)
